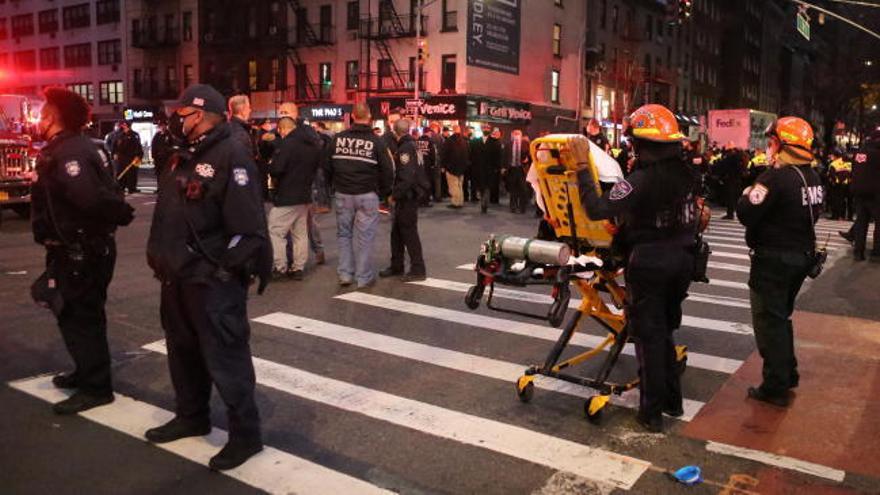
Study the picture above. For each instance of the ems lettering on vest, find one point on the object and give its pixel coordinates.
(812, 196)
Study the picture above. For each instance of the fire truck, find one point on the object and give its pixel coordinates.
(18, 152)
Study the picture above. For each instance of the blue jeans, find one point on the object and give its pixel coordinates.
(357, 217)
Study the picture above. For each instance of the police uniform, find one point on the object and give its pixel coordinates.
(428, 152)
(779, 231)
(208, 226)
(410, 186)
(76, 208)
(839, 177)
(866, 189)
(127, 149)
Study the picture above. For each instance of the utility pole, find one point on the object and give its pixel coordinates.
(418, 64)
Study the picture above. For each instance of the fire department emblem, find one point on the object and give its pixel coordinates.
(861, 158)
(72, 168)
(205, 170)
(240, 176)
(758, 194)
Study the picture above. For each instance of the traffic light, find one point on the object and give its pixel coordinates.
(685, 10)
(423, 51)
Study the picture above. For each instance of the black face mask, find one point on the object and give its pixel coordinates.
(175, 126)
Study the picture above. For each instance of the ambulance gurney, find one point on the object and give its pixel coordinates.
(580, 256)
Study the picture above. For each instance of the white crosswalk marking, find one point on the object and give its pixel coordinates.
(459, 361)
(595, 464)
(704, 361)
(272, 470)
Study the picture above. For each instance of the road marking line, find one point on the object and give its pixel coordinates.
(272, 470)
(556, 453)
(728, 266)
(696, 360)
(778, 461)
(822, 233)
(688, 321)
(735, 256)
(730, 237)
(455, 360)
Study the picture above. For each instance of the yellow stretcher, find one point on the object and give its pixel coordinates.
(522, 262)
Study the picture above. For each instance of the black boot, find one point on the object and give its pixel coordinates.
(234, 454)
(390, 272)
(176, 429)
(79, 402)
(65, 380)
(846, 235)
(653, 425)
(776, 400)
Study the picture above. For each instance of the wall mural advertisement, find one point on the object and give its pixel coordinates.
(493, 34)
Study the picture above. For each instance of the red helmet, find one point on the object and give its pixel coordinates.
(655, 123)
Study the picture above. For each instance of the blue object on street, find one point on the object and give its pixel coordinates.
(689, 475)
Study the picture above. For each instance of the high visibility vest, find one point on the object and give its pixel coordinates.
(759, 160)
(615, 152)
(842, 171)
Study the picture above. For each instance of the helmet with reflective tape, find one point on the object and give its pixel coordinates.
(655, 123)
(792, 131)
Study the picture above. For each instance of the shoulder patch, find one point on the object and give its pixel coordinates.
(861, 158)
(758, 194)
(240, 176)
(205, 170)
(72, 168)
(620, 190)
(404, 158)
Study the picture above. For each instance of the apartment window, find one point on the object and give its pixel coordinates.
(189, 75)
(385, 69)
(22, 25)
(77, 16)
(602, 18)
(557, 40)
(615, 16)
(50, 58)
(554, 86)
(48, 21)
(78, 55)
(302, 23)
(252, 74)
(109, 52)
(276, 73)
(450, 15)
(3, 32)
(252, 22)
(171, 80)
(352, 15)
(111, 92)
(25, 60)
(86, 90)
(300, 73)
(325, 75)
(107, 11)
(649, 28)
(447, 73)
(351, 74)
(326, 23)
(187, 26)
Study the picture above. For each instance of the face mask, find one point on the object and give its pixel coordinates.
(176, 126)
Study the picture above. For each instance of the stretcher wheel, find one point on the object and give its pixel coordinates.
(525, 389)
(473, 297)
(594, 406)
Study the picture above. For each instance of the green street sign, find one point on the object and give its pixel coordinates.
(803, 25)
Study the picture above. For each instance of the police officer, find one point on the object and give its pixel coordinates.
(128, 153)
(866, 189)
(161, 148)
(839, 176)
(360, 167)
(207, 227)
(411, 185)
(779, 213)
(429, 154)
(76, 207)
(655, 210)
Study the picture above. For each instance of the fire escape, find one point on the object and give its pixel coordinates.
(158, 37)
(377, 34)
(304, 89)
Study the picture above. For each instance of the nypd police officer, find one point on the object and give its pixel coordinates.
(208, 226)
(411, 186)
(779, 212)
(655, 211)
(76, 208)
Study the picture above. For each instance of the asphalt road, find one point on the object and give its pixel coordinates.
(399, 388)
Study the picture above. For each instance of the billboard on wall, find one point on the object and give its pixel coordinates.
(493, 34)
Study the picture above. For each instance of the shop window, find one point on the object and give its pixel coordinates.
(111, 92)
(554, 86)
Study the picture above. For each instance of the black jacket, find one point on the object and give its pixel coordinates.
(241, 132)
(75, 189)
(209, 215)
(455, 155)
(127, 147)
(410, 179)
(428, 150)
(776, 212)
(161, 148)
(866, 172)
(525, 157)
(358, 162)
(294, 166)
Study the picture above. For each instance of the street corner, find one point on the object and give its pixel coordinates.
(835, 414)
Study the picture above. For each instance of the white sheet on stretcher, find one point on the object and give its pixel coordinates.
(608, 168)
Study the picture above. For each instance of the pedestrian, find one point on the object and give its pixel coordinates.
(428, 154)
(656, 208)
(493, 157)
(478, 173)
(207, 242)
(321, 187)
(266, 137)
(161, 148)
(594, 133)
(779, 213)
(293, 170)
(456, 161)
(411, 185)
(239, 111)
(730, 170)
(128, 153)
(514, 164)
(110, 138)
(361, 170)
(76, 208)
(866, 189)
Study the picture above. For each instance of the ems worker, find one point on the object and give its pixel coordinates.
(360, 168)
(411, 185)
(76, 207)
(655, 210)
(207, 240)
(866, 188)
(779, 213)
(839, 177)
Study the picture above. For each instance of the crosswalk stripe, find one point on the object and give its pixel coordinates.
(734, 256)
(820, 232)
(729, 238)
(687, 320)
(596, 464)
(696, 360)
(777, 460)
(455, 360)
(728, 266)
(272, 470)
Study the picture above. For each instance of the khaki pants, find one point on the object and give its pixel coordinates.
(293, 219)
(454, 182)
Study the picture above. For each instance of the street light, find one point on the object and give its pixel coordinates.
(869, 63)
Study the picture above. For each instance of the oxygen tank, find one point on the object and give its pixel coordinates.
(534, 250)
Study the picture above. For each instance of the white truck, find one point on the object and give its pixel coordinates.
(742, 127)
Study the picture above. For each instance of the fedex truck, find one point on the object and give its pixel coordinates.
(742, 127)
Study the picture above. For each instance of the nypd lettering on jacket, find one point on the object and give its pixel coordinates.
(354, 148)
(812, 196)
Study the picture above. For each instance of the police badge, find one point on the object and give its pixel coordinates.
(240, 176)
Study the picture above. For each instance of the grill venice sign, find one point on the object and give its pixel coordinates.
(493, 34)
